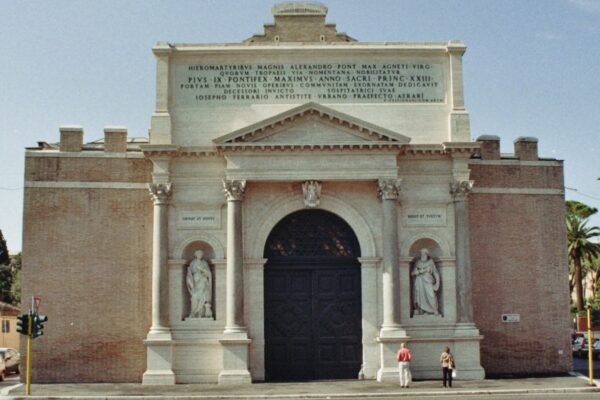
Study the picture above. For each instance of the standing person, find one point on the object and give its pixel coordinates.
(404, 358)
(447, 360)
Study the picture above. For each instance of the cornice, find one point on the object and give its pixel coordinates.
(363, 129)
(153, 150)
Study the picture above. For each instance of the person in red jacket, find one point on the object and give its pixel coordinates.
(404, 358)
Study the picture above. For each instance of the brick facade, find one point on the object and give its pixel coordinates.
(519, 265)
(87, 254)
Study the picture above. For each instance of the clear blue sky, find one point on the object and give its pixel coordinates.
(531, 69)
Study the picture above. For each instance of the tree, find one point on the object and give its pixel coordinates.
(581, 248)
(591, 269)
(4, 258)
(579, 210)
(15, 289)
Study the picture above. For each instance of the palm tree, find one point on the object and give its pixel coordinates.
(580, 248)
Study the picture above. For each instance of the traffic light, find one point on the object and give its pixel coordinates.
(37, 328)
(23, 324)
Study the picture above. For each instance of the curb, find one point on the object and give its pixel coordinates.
(313, 395)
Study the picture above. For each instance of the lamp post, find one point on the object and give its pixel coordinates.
(590, 352)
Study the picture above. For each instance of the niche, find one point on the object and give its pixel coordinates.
(426, 284)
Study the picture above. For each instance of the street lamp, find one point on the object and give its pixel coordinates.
(588, 308)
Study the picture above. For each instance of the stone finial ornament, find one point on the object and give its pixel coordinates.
(312, 193)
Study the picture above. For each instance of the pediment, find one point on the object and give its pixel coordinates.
(311, 124)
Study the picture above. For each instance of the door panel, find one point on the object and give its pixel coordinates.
(312, 322)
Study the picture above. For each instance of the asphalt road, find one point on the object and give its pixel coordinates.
(544, 396)
(581, 365)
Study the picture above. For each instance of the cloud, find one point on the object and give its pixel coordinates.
(548, 36)
(589, 6)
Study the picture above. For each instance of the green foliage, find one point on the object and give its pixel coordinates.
(582, 244)
(579, 210)
(10, 281)
(4, 257)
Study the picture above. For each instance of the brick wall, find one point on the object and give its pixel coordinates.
(87, 254)
(519, 265)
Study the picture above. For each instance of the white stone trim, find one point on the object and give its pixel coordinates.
(83, 154)
(511, 190)
(289, 203)
(211, 240)
(513, 162)
(85, 185)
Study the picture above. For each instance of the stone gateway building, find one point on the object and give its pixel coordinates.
(304, 203)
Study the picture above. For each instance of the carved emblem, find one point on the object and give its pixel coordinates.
(234, 190)
(160, 192)
(389, 189)
(460, 190)
(312, 193)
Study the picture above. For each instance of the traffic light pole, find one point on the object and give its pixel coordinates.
(28, 382)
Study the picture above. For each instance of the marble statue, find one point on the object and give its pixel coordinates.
(426, 285)
(199, 284)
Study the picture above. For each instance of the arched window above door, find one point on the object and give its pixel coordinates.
(311, 234)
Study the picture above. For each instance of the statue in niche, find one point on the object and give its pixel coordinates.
(199, 284)
(312, 193)
(426, 285)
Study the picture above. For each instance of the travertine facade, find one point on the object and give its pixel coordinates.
(252, 148)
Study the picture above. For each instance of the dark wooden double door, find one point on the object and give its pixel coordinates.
(312, 321)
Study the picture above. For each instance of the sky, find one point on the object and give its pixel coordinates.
(531, 69)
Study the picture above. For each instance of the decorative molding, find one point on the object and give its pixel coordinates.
(267, 126)
(212, 241)
(234, 189)
(289, 202)
(521, 191)
(516, 162)
(389, 189)
(160, 192)
(311, 190)
(460, 190)
(85, 185)
(96, 153)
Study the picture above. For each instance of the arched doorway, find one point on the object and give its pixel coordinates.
(312, 299)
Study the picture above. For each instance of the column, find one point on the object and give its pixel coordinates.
(460, 191)
(160, 193)
(235, 340)
(389, 190)
(391, 333)
(234, 322)
(466, 331)
(158, 342)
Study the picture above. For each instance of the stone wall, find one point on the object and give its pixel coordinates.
(87, 254)
(519, 266)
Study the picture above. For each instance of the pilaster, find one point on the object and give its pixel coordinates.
(160, 131)
(459, 124)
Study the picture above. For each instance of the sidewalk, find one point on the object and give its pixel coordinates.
(308, 390)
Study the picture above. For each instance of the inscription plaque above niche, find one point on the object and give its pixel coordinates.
(424, 216)
(199, 219)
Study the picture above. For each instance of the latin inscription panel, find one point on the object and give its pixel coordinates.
(197, 85)
(424, 216)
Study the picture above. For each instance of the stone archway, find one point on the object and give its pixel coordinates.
(312, 299)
